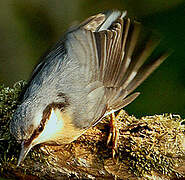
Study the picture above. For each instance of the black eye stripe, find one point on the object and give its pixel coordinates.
(40, 128)
(45, 117)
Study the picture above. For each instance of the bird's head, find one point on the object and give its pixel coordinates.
(36, 123)
(32, 125)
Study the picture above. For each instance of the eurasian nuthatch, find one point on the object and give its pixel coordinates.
(88, 74)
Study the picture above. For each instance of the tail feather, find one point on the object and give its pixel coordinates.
(137, 63)
(120, 103)
(144, 72)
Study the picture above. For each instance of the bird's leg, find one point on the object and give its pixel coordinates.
(113, 134)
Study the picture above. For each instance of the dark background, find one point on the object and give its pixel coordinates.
(29, 28)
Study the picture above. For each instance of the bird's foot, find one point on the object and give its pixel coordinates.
(113, 135)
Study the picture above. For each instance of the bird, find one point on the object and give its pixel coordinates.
(89, 73)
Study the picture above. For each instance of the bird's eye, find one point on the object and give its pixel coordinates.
(40, 128)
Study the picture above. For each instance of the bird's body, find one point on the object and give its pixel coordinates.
(88, 74)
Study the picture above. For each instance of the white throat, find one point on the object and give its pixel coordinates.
(51, 130)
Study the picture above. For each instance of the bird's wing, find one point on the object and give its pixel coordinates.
(105, 46)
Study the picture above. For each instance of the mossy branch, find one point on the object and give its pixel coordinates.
(147, 148)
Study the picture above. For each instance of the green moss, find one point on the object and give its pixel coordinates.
(154, 144)
(9, 99)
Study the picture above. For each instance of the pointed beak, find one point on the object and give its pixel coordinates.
(25, 148)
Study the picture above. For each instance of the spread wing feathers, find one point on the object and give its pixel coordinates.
(105, 46)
